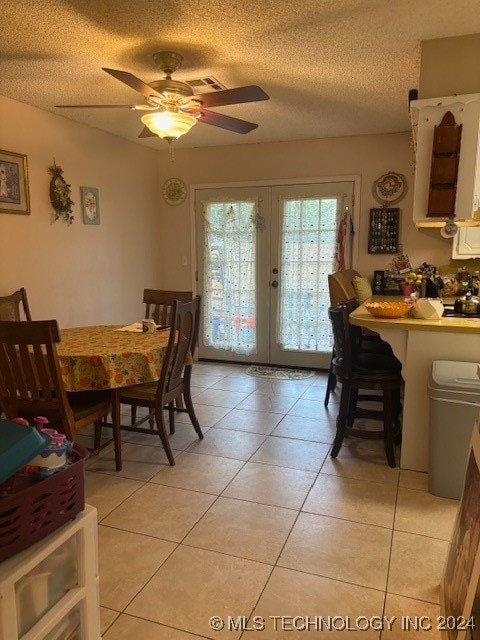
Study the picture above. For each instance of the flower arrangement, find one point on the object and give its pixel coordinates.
(60, 195)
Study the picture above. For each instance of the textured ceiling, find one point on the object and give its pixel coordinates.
(331, 67)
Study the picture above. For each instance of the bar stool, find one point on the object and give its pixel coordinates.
(341, 290)
(357, 370)
(368, 343)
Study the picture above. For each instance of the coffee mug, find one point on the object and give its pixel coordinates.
(148, 326)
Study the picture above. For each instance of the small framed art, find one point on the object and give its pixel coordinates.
(402, 264)
(90, 205)
(14, 196)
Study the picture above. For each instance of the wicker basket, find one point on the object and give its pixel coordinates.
(35, 508)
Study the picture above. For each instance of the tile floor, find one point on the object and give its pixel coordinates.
(258, 520)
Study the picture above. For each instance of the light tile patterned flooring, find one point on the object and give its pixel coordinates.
(258, 520)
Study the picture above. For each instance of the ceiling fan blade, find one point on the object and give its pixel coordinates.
(133, 82)
(252, 93)
(94, 106)
(226, 122)
(146, 133)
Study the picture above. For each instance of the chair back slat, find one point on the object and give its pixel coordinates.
(185, 318)
(10, 306)
(30, 379)
(25, 377)
(159, 304)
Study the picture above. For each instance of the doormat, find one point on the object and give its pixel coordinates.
(278, 373)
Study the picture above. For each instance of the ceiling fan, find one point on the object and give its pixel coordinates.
(171, 106)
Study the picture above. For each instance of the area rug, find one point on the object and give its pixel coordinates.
(278, 373)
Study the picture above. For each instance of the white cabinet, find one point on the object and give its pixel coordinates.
(50, 590)
(466, 244)
(426, 114)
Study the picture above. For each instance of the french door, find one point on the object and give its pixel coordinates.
(263, 257)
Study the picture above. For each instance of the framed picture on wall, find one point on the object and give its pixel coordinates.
(460, 585)
(14, 196)
(90, 205)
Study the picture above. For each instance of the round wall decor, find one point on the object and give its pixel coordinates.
(174, 191)
(390, 188)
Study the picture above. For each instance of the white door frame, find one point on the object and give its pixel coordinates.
(352, 245)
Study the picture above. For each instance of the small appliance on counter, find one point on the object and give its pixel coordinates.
(468, 305)
(385, 283)
(378, 283)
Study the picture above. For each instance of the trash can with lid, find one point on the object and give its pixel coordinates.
(454, 397)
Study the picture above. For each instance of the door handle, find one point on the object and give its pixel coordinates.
(275, 284)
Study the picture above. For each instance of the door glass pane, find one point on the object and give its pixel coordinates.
(229, 276)
(308, 231)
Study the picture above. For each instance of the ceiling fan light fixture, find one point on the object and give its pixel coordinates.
(169, 125)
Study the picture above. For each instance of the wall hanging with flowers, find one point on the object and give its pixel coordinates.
(60, 195)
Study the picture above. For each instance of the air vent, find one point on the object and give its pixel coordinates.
(205, 85)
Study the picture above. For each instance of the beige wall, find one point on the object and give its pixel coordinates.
(367, 156)
(95, 274)
(450, 66)
(80, 274)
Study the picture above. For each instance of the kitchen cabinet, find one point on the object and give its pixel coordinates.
(50, 590)
(426, 115)
(466, 244)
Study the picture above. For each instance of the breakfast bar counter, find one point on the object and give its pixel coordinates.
(417, 343)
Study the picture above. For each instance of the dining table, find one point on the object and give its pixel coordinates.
(417, 343)
(107, 358)
(104, 357)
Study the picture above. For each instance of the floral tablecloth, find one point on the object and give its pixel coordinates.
(93, 358)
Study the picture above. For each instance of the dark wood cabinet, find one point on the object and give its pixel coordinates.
(447, 138)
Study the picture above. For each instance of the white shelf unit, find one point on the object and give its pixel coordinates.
(426, 114)
(50, 591)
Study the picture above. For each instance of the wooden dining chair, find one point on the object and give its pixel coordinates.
(174, 382)
(11, 305)
(357, 370)
(159, 304)
(31, 383)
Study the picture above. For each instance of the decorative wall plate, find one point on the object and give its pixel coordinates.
(174, 191)
(390, 188)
